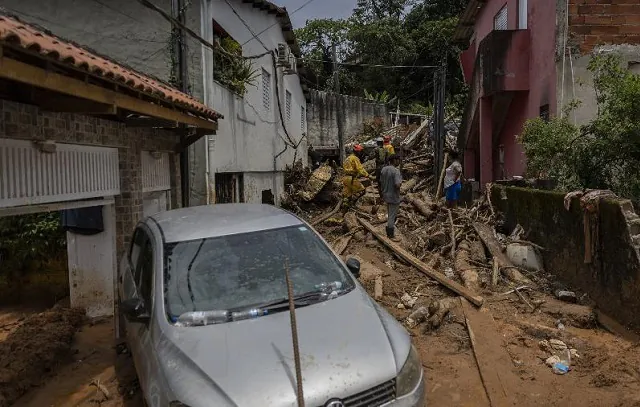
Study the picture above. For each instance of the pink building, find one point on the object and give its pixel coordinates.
(511, 69)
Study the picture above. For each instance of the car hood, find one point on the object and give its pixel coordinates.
(347, 345)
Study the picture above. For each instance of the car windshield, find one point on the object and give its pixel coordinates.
(247, 270)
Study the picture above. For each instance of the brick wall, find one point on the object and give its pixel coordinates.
(598, 22)
(20, 121)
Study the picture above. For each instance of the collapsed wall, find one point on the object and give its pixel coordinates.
(612, 277)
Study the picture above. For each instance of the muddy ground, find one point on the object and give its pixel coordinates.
(92, 371)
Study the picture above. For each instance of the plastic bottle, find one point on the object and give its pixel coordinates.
(248, 314)
(204, 317)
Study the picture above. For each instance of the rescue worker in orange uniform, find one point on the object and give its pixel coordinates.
(353, 170)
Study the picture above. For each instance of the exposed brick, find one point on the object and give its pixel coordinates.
(593, 9)
(576, 20)
(625, 9)
(597, 20)
(629, 29)
(605, 29)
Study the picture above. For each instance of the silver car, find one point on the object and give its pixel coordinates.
(204, 296)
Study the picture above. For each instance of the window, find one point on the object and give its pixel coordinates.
(500, 20)
(544, 112)
(145, 270)
(137, 243)
(228, 64)
(287, 103)
(303, 119)
(266, 89)
(240, 271)
(522, 14)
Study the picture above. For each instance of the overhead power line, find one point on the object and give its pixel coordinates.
(376, 65)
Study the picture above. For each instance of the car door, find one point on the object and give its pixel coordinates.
(127, 282)
(145, 352)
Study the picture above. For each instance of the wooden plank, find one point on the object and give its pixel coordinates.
(32, 75)
(341, 244)
(423, 267)
(494, 363)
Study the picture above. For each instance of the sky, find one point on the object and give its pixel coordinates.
(316, 9)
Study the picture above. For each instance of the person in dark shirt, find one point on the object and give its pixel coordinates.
(390, 181)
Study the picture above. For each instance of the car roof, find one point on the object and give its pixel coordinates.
(200, 222)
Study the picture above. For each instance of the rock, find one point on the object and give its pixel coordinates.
(400, 306)
(552, 360)
(566, 296)
(368, 271)
(408, 300)
(557, 344)
(524, 256)
(477, 251)
(417, 317)
(351, 222)
(377, 289)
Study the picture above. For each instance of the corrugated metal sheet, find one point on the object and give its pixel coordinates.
(155, 172)
(29, 176)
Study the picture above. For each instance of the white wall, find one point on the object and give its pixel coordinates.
(92, 267)
(249, 136)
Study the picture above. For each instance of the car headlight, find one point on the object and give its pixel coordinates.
(410, 374)
(177, 404)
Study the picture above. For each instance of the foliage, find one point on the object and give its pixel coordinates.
(379, 97)
(31, 238)
(604, 153)
(418, 108)
(231, 69)
(387, 32)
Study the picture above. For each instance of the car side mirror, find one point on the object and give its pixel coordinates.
(134, 310)
(354, 267)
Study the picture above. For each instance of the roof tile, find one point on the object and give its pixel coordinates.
(18, 34)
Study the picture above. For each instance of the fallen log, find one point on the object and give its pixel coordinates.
(327, 215)
(467, 272)
(422, 267)
(453, 235)
(420, 205)
(407, 185)
(441, 180)
(504, 264)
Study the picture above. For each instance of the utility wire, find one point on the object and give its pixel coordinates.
(189, 31)
(246, 25)
(376, 65)
(117, 11)
(277, 22)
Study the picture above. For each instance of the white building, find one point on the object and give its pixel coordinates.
(247, 156)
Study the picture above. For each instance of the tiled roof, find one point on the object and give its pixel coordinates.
(16, 33)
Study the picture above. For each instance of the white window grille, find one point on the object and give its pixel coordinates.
(287, 104)
(266, 89)
(500, 20)
(303, 119)
(522, 14)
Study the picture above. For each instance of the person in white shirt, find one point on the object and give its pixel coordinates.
(452, 185)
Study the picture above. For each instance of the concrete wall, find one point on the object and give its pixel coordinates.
(323, 122)
(251, 135)
(612, 280)
(123, 30)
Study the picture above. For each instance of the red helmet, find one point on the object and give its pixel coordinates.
(358, 147)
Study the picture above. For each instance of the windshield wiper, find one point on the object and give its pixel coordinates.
(324, 292)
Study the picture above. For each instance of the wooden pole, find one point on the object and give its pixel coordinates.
(294, 336)
(441, 181)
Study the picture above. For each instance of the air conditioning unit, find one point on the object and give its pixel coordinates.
(283, 55)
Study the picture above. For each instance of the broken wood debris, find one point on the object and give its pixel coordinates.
(422, 267)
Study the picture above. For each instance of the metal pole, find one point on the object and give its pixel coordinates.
(336, 82)
(180, 55)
